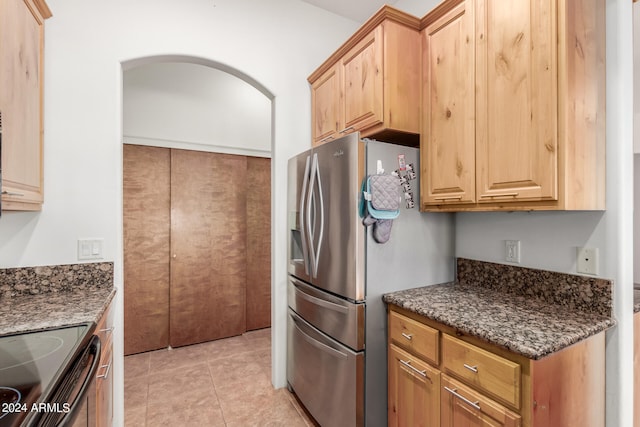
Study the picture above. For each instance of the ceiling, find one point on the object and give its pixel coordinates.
(357, 10)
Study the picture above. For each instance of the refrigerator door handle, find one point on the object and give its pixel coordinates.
(303, 223)
(321, 232)
(311, 206)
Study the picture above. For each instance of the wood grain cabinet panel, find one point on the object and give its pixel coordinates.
(538, 106)
(371, 83)
(448, 144)
(485, 385)
(462, 406)
(414, 391)
(421, 340)
(21, 100)
(104, 375)
(326, 103)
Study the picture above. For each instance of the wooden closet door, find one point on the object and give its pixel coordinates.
(258, 243)
(208, 246)
(146, 207)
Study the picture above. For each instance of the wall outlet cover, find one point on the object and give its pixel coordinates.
(587, 262)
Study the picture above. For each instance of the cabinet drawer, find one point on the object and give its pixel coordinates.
(415, 337)
(498, 377)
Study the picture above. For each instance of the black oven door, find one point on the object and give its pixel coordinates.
(76, 393)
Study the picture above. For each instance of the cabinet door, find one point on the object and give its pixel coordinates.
(325, 106)
(21, 39)
(363, 83)
(448, 151)
(414, 391)
(104, 389)
(516, 113)
(461, 406)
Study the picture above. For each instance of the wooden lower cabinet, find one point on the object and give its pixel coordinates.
(414, 391)
(104, 376)
(462, 406)
(474, 383)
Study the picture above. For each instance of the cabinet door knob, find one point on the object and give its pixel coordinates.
(408, 336)
(174, 256)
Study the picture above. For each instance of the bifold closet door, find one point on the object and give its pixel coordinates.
(146, 222)
(208, 246)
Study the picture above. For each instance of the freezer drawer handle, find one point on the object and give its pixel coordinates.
(454, 391)
(408, 364)
(408, 336)
(322, 303)
(319, 345)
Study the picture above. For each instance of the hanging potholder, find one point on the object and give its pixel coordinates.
(383, 197)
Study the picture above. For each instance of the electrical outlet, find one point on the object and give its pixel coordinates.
(587, 261)
(512, 251)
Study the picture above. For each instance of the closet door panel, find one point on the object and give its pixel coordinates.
(208, 246)
(258, 243)
(146, 207)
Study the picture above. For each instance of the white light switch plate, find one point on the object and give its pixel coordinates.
(512, 251)
(90, 249)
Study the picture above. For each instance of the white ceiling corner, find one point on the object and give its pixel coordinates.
(356, 10)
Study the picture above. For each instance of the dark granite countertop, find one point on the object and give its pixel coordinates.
(530, 322)
(27, 313)
(42, 297)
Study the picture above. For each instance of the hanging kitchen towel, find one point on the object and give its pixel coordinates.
(380, 205)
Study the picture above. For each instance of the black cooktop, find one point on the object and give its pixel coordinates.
(31, 365)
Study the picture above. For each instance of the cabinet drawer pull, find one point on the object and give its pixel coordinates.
(106, 372)
(493, 196)
(328, 138)
(8, 193)
(444, 199)
(471, 368)
(407, 363)
(408, 336)
(345, 130)
(108, 330)
(454, 391)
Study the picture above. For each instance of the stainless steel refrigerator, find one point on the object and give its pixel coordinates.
(336, 324)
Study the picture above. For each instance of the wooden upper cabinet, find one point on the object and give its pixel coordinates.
(21, 78)
(363, 82)
(516, 121)
(538, 106)
(377, 72)
(326, 94)
(448, 143)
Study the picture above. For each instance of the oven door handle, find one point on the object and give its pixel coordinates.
(94, 347)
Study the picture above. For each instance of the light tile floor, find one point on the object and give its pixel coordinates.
(219, 383)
